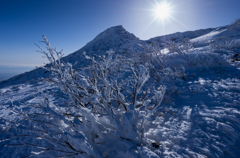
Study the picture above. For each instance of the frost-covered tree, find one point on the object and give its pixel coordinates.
(103, 111)
(225, 43)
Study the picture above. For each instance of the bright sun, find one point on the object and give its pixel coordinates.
(162, 10)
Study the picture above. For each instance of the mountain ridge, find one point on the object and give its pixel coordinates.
(116, 38)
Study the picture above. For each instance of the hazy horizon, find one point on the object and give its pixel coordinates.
(7, 72)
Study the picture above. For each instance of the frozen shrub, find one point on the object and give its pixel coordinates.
(106, 105)
(204, 60)
(224, 43)
(235, 24)
(161, 70)
(182, 47)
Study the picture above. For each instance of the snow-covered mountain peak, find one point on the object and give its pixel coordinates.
(114, 38)
(111, 38)
(116, 31)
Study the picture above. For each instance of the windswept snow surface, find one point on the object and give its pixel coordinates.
(208, 36)
(204, 118)
(201, 118)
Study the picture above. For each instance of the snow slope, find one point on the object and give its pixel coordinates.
(112, 38)
(208, 36)
(200, 119)
(116, 38)
(178, 36)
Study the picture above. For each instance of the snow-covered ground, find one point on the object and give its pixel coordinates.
(208, 36)
(200, 117)
(204, 118)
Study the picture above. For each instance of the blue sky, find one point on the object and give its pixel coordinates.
(70, 24)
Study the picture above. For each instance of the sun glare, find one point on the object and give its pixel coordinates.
(162, 10)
